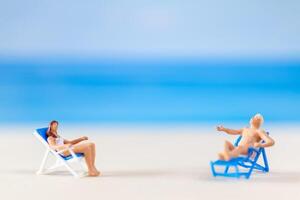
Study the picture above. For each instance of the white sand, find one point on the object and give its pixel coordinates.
(147, 163)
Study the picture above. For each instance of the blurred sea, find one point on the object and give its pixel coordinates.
(160, 90)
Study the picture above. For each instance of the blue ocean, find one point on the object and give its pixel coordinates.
(148, 90)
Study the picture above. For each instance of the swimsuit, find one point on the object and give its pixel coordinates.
(59, 141)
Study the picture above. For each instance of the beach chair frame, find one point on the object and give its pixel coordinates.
(60, 160)
(247, 163)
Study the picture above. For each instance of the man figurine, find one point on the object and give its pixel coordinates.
(251, 137)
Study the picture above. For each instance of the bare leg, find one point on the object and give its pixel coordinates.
(93, 153)
(93, 147)
(88, 158)
(234, 152)
(227, 147)
(86, 149)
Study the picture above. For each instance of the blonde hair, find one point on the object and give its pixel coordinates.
(260, 117)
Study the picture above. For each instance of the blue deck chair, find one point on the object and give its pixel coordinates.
(242, 165)
(60, 159)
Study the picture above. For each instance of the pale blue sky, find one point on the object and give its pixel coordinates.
(170, 27)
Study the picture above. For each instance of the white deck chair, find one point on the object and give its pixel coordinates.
(60, 159)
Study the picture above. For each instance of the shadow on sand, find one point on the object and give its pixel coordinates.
(192, 174)
(258, 177)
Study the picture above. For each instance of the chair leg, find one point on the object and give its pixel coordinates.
(265, 160)
(72, 171)
(212, 167)
(226, 169)
(79, 161)
(42, 166)
(253, 164)
(237, 171)
(82, 165)
(57, 164)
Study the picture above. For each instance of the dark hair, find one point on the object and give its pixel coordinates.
(49, 131)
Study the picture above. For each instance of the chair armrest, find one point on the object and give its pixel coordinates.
(253, 149)
(68, 149)
(63, 150)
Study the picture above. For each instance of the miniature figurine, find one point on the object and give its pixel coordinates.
(251, 137)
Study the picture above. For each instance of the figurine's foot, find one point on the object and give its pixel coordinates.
(94, 174)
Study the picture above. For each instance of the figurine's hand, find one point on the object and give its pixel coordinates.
(257, 144)
(84, 138)
(220, 128)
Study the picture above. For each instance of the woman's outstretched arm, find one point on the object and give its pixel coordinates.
(72, 142)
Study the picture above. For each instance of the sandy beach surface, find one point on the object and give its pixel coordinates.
(147, 162)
